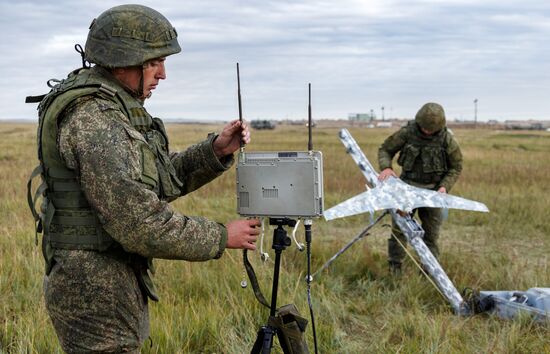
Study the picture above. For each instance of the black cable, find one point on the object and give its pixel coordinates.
(308, 281)
(254, 280)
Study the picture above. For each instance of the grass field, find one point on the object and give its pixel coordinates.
(359, 306)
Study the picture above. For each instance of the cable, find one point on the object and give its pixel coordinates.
(263, 255)
(299, 245)
(307, 225)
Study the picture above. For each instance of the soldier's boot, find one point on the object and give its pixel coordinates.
(395, 268)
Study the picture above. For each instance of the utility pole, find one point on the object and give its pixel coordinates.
(382, 112)
(475, 113)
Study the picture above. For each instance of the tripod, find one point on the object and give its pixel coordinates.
(264, 340)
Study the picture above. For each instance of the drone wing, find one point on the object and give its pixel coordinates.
(396, 194)
(359, 157)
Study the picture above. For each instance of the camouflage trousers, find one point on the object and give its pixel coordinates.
(431, 219)
(95, 304)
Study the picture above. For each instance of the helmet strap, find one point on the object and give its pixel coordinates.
(141, 83)
(139, 91)
(136, 93)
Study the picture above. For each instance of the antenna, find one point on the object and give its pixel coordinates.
(309, 142)
(475, 113)
(240, 103)
(287, 184)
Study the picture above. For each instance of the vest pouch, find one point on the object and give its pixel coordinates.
(47, 249)
(169, 181)
(170, 185)
(149, 172)
(407, 157)
(433, 160)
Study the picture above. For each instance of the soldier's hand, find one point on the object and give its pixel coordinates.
(230, 138)
(243, 233)
(442, 190)
(385, 174)
(402, 213)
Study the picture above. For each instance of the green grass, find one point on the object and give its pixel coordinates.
(359, 307)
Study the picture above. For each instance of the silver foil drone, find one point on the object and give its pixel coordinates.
(393, 195)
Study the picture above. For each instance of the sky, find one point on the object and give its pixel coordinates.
(358, 56)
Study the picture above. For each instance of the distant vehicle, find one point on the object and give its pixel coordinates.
(383, 124)
(313, 124)
(262, 124)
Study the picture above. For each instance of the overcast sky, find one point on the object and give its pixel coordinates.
(358, 56)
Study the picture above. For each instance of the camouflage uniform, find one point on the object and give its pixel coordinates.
(104, 158)
(94, 298)
(427, 161)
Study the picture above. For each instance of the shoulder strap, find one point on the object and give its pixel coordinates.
(253, 280)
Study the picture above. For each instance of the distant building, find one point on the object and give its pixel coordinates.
(524, 125)
(365, 117)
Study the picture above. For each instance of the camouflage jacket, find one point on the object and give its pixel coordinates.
(97, 140)
(410, 135)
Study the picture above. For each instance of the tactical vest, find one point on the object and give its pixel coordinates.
(66, 219)
(423, 158)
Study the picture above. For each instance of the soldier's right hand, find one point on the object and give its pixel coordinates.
(402, 213)
(243, 233)
(385, 174)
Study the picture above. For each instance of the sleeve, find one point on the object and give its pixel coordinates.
(454, 161)
(198, 165)
(390, 147)
(97, 141)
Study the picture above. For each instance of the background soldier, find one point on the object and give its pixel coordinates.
(108, 177)
(430, 158)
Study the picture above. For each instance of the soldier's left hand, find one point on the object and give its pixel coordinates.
(386, 173)
(230, 138)
(402, 213)
(442, 190)
(243, 233)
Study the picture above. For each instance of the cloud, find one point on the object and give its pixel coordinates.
(358, 55)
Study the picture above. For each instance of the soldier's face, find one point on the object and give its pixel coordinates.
(426, 132)
(153, 72)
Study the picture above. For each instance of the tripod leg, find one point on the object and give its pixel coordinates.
(264, 341)
(362, 234)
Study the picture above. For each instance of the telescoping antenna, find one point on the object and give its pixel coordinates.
(307, 225)
(240, 103)
(283, 186)
(309, 142)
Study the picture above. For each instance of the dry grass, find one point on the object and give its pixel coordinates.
(359, 307)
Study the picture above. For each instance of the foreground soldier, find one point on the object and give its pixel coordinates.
(430, 158)
(108, 179)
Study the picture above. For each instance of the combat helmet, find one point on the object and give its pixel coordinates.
(431, 117)
(130, 35)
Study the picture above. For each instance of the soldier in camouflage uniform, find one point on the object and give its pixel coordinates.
(430, 158)
(108, 177)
